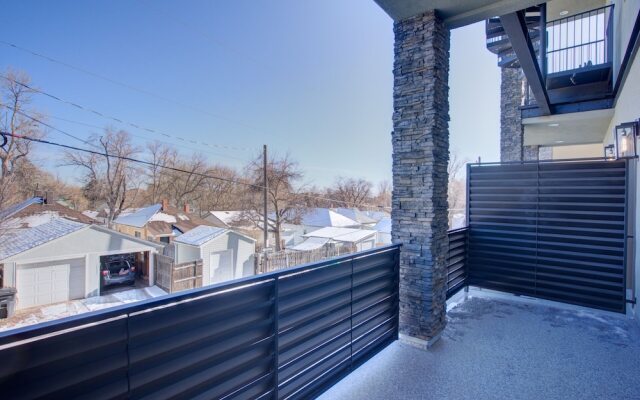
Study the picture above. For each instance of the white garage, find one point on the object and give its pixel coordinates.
(60, 260)
(225, 254)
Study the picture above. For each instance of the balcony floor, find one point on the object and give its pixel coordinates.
(500, 348)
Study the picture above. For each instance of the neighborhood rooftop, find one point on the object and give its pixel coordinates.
(326, 217)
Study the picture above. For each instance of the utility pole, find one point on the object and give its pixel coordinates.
(265, 184)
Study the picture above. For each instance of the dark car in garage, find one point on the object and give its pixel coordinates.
(118, 271)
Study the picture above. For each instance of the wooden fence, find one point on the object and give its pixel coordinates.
(174, 277)
(290, 258)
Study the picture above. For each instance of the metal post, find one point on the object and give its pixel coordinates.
(543, 40)
(265, 184)
(276, 337)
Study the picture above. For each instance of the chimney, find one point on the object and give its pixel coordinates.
(165, 204)
(186, 208)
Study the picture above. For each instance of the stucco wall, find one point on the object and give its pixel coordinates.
(628, 109)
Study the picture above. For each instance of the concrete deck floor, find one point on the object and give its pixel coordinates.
(496, 348)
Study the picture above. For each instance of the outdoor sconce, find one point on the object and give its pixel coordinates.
(610, 152)
(626, 139)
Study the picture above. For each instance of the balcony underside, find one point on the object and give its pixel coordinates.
(500, 348)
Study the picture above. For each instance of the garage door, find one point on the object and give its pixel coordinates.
(42, 284)
(221, 265)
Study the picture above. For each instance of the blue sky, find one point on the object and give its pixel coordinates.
(312, 78)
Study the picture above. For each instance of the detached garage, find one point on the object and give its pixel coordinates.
(225, 254)
(60, 260)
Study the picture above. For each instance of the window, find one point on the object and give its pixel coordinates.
(164, 239)
(137, 234)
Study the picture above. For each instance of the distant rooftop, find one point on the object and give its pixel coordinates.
(326, 217)
(34, 212)
(356, 215)
(342, 234)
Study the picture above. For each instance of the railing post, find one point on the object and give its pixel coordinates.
(276, 337)
(543, 41)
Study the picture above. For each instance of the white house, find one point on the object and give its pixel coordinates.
(314, 219)
(360, 217)
(360, 239)
(383, 227)
(60, 260)
(225, 254)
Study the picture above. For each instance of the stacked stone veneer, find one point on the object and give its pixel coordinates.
(420, 155)
(512, 94)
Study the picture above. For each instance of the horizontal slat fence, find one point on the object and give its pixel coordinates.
(457, 260)
(287, 334)
(553, 230)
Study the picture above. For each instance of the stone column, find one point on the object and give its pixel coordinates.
(512, 95)
(420, 140)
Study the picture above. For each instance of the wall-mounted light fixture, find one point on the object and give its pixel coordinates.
(610, 152)
(625, 135)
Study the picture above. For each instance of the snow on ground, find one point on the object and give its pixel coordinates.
(37, 315)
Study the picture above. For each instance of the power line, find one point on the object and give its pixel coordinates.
(146, 138)
(38, 121)
(151, 164)
(118, 120)
(131, 87)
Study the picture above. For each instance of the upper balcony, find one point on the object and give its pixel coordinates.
(572, 61)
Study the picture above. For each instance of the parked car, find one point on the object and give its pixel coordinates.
(117, 272)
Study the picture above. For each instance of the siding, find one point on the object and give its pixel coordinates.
(243, 250)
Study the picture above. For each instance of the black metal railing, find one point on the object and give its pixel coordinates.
(580, 41)
(287, 334)
(457, 260)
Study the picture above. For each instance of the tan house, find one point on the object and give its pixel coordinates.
(159, 222)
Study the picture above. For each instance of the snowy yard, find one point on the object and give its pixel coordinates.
(37, 315)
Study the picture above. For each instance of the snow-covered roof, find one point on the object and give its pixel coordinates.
(235, 218)
(326, 217)
(200, 235)
(342, 234)
(311, 243)
(10, 211)
(91, 214)
(140, 217)
(377, 215)
(26, 239)
(384, 225)
(356, 215)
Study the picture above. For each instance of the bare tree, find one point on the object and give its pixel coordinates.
(351, 192)
(108, 177)
(383, 194)
(14, 119)
(284, 196)
(185, 185)
(457, 187)
(218, 194)
(155, 176)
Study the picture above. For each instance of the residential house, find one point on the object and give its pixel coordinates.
(159, 222)
(248, 222)
(357, 239)
(314, 219)
(225, 254)
(357, 215)
(37, 211)
(383, 231)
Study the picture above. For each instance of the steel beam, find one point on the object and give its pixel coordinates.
(516, 28)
